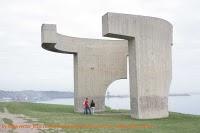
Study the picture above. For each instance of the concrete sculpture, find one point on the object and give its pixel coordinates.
(150, 65)
(97, 63)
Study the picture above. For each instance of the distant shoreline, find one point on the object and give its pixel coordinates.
(183, 94)
(33, 96)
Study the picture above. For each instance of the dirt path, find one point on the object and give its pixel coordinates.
(17, 119)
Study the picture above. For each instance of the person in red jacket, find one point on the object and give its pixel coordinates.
(86, 106)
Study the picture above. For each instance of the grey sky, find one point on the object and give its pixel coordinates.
(25, 65)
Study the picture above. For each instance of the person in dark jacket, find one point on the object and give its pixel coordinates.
(92, 106)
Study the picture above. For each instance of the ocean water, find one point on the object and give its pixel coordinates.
(182, 104)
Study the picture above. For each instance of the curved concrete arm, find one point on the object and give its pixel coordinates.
(126, 26)
(55, 42)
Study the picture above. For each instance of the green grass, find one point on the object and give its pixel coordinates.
(7, 121)
(1, 110)
(62, 114)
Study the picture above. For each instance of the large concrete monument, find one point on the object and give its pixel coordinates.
(97, 63)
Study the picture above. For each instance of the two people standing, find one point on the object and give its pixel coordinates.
(88, 108)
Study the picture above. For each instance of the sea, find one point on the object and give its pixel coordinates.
(182, 104)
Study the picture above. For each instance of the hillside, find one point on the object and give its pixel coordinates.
(110, 121)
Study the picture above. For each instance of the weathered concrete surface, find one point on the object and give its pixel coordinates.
(97, 63)
(150, 65)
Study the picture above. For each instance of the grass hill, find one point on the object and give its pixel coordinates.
(110, 121)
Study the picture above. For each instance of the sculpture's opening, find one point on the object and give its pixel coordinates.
(118, 93)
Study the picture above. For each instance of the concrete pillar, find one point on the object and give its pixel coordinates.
(97, 63)
(150, 65)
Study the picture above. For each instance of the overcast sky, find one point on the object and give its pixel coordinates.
(24, 65)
